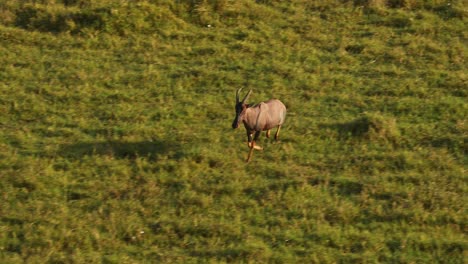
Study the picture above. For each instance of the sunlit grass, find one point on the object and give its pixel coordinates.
(116, 144)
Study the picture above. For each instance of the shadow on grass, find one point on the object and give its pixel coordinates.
(119, 149)
(342, 186)
(238, 254)
(355, 128)
(370, 126)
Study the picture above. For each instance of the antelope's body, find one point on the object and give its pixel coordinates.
(264, 116)
(257, 118)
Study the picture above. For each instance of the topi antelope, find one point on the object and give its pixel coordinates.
(257, 118)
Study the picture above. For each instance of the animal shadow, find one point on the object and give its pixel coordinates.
(119, 149)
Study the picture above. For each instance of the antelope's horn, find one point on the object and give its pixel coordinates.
(237, 95)
(247, 96)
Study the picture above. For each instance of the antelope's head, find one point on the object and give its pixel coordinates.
(240, 108)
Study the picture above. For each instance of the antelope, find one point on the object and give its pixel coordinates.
(257, 118)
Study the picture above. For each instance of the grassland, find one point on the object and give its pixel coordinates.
(116, 145)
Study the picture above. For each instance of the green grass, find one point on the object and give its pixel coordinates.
(116, 140)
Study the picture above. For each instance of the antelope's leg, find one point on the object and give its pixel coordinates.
(249, 139)
(257, 135)
(268, 133)
(277, 132)
(252, 145)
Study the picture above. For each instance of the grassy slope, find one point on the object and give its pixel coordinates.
(117, 147)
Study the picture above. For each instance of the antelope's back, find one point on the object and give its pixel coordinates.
(277, 111)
